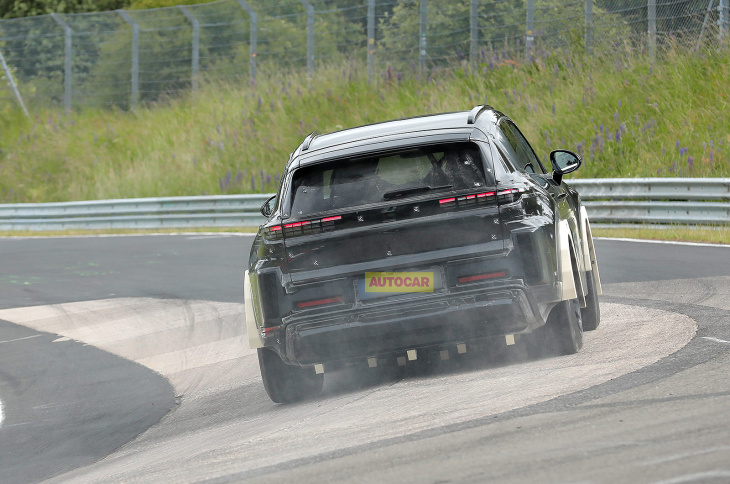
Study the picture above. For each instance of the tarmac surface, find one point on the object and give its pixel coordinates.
(126, 359)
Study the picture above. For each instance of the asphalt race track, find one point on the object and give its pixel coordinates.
(125, 359)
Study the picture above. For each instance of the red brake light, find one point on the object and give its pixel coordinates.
(447, 200)
(275, 228)
(331, 219)
(320, 302)
(481, 277)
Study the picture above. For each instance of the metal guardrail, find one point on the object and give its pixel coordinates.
(608, 200)
(702, 201)
(135, 213)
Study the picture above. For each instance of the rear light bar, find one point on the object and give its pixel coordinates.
(303, 228)
(467, 200)
(320, 302)
(481, 277)
(509, 195)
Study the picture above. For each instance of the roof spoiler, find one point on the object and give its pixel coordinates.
(474, 113)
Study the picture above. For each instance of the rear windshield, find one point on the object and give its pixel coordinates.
(347, 183)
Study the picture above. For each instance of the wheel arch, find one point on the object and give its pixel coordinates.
(252, 326)
(591, 262)
(571, 282)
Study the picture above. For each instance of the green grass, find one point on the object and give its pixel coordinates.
(709, 235)
(236, 139)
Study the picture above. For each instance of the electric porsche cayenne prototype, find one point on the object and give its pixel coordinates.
(436, 233)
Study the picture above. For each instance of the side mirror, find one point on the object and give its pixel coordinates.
(268, 207)
(564, 162)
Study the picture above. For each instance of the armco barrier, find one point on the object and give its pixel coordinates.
(136, 213)
(704, 201)
(608, 200)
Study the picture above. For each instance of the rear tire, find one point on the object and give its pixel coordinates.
(287, 383)
(566, 324)
(561, 335)
(592, 312)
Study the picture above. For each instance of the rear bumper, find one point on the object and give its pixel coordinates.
(390, 328)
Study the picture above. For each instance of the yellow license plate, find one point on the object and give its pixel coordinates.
(397, 282)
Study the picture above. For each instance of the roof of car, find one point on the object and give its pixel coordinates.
(436, 122)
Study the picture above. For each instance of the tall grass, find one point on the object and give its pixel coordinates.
(626, 118)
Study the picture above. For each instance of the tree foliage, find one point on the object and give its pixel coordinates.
(28, 8)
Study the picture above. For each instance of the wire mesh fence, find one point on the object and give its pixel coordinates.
(122, 58)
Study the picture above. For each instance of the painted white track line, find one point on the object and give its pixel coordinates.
(2, 416)
(670, 242)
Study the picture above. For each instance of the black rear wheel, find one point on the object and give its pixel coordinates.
(592, 312)
(566, 324)
(561, 335)
(287, 383)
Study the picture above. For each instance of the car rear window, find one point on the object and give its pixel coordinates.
(347, 183)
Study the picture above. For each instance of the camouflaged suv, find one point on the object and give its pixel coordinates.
(393, 239)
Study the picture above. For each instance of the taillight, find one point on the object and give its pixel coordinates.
(467, 200)
(320, 302)
(307, 227)
(509, 195)
(481, 277)
(270, 331)
(273, 232)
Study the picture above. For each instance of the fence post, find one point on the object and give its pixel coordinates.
(196, 44)
(371, 40)
(474, 34)
(310, 36)
(12, 85)
(529, 37)
(704, 24)
(423, 28)
(724, 20)
(67, 73)
(253, 27)
(135, 57)
(651, 14)
(589, 27)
